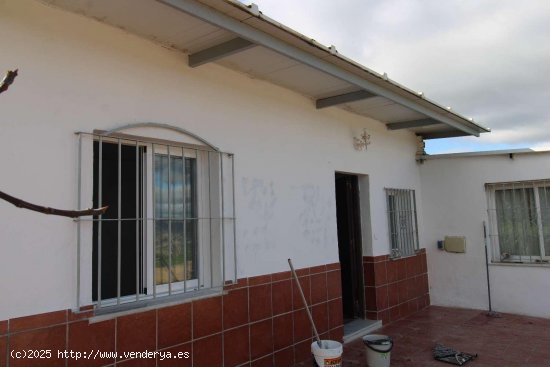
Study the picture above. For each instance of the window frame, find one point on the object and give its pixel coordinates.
(188, 284)
(491, 189)
(205, 210)
(402, 243)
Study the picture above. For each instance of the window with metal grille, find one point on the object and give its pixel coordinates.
(519, 221)
(169, 230)
(402, 222)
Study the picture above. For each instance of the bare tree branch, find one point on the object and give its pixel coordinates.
(4, 85)
(52, 211)
(8, 80)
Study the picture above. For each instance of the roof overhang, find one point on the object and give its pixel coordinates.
(240, 37)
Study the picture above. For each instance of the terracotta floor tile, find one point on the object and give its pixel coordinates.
(510, 341)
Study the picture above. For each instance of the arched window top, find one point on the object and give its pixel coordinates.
(157, 125)
(170, 221)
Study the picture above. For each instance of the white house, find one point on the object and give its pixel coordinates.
(223, 143)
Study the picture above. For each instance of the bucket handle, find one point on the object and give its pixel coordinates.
(377, 350)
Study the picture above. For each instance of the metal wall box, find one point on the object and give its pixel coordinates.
(455, 244)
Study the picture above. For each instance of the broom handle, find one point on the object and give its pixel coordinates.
(305, 304)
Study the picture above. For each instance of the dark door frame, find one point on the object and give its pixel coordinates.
(350, 249)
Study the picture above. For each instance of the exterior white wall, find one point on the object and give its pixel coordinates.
(77, 74)
(455, 204)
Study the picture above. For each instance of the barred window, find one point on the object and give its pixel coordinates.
(402, 222)
(519, 221)
(169, 229)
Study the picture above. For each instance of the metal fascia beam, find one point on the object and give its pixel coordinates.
(343, 98)
(411, 124)
(219, 51)
(207, 14)
(442, 134)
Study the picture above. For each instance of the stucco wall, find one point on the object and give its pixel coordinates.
(77, 74)
(455, 204)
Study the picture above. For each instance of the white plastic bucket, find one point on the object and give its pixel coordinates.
(378, 350)
(330, 355)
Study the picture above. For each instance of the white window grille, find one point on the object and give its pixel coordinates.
(519, 221)
(169, 231)
(402, 222)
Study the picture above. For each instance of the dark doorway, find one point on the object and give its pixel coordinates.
(349, 245)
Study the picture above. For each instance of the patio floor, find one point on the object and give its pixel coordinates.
(510, 341)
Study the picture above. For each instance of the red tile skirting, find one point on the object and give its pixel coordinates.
(37, 321)
(3, 350)
(395, 288)
(49, 338)
(259, 302)
(281, 296)
(259, 321)
(174, 325)
(235, 308)
(86, 336)
(236, 346)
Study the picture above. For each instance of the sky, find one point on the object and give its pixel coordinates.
(487, 59)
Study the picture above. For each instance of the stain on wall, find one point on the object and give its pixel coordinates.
(260, 200)
(317, 216)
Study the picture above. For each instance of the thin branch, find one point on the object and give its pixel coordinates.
(52, 211)
(4, 85)
(8, 80)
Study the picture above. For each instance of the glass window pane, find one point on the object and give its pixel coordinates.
(175, 218)
(393, 221)
(162, 257)
(161, 186)
(178, 271)
(191, 215)
(517, 222)
(401, 218)
(544, 204)
(176, 187)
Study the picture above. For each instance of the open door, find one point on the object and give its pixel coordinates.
(350, 246)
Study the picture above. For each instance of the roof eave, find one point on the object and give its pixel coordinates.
(448, 115)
